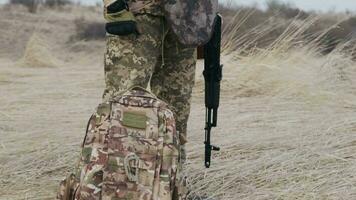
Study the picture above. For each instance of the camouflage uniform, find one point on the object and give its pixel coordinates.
(154, 57)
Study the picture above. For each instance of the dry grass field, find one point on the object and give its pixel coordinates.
(287, 124)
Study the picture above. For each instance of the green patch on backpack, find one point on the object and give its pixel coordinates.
(135, 120)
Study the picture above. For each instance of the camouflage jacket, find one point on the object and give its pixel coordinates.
(191, 20)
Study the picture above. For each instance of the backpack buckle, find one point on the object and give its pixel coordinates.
(131, 163)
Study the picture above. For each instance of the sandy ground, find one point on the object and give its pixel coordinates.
(287, 124)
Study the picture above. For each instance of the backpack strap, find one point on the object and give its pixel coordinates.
(139, 91)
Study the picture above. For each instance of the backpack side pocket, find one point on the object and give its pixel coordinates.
(68, 188)
(94, 153)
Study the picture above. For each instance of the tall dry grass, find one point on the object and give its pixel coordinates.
(286, 123)
(293, 110)
(258, 28)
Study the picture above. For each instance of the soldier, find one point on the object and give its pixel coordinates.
(152, 43)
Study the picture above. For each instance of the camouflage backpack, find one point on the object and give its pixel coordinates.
(130, 152)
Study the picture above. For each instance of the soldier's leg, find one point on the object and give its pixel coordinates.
(173, 81)
(130, 60)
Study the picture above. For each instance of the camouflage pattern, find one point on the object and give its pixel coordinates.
(152, 7)
(191, 20)
(155, 57)
(123, 162)
(94, 154)
(67, 188)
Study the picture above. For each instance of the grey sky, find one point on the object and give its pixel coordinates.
(324, 5)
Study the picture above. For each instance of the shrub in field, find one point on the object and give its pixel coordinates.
(89, 30)
(285, 10)
(31, 5)
(56, 3)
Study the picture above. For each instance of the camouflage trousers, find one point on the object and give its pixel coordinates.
(152, 59)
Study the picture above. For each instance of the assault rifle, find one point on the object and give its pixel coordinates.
(213, 76)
